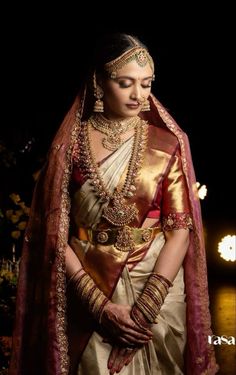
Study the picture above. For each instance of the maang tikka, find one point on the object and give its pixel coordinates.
(98, 93)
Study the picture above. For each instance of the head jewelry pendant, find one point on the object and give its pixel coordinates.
(137, 53)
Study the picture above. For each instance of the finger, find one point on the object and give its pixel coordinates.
(121, 330)
(119, 359)
(124, 358)
(133, 340)
(130, 357)
(142, 329)
(112, 363)
(140, 335)
(112, 357)
(123, 341)
(126, 324)
(125, 320)
(129, 340)
(129, 323)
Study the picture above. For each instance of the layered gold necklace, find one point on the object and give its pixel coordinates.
(118, 212)
(112, 129)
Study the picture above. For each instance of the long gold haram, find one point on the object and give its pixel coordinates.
(118, 213)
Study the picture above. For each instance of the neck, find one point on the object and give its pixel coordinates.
(112, 118)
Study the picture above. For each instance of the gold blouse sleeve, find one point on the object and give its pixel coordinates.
(175, 208)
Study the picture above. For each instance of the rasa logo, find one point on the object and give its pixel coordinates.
(221, 340)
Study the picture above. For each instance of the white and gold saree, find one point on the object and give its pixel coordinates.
(164, 354)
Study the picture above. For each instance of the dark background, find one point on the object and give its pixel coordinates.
(45, 52)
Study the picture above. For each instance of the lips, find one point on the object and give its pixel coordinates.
(133, 106)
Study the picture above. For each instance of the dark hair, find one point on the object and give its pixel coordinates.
(107, 48)
(110, 46)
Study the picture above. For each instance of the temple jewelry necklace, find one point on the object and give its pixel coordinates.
(112, 129)
(118, 213)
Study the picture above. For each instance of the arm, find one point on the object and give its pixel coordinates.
(115, 318)
(73, 263)
(172, 254)
(176, 222)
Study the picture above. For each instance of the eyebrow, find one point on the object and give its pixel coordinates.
(133, 79)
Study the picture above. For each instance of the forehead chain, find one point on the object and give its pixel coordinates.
(137, 53)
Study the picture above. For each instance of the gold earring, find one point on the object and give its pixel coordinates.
(146, 106)
(98, 93)
(98, 105)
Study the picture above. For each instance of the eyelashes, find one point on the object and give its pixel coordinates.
(124, 85)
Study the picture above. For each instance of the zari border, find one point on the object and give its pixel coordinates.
(172, 125)
(61, 322)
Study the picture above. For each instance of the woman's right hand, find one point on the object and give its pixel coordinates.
(120, 357)
(118, 323)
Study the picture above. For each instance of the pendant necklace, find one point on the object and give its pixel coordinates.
(118, 212)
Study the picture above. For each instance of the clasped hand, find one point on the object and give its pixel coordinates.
(121, 328)
(125, 336)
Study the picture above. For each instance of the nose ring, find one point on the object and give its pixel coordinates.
(141, 100)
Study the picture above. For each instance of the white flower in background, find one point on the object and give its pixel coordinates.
(227, 248)
(202, 190)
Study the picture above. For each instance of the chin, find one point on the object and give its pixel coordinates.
(132, 112)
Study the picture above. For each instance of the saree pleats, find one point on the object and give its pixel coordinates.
(164, 354)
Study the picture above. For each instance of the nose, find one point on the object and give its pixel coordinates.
(136, 94)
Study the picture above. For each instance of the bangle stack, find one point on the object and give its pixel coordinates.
(90, 295)
(153, 296)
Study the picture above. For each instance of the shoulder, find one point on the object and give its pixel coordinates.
(162, 138)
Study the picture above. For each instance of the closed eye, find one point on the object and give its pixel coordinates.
(146, 86)
(124, 84)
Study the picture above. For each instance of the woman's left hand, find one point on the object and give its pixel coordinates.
(119, 357)
(121, 328)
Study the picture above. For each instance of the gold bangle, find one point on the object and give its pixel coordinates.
(153, 296)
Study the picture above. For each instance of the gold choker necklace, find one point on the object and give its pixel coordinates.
(113, 129)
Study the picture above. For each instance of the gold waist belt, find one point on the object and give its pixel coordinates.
(123, 238)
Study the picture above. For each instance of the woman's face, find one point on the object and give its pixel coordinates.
(124, 95)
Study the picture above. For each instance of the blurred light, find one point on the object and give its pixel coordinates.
(28, 146)
(202, 190)
(227, 248)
